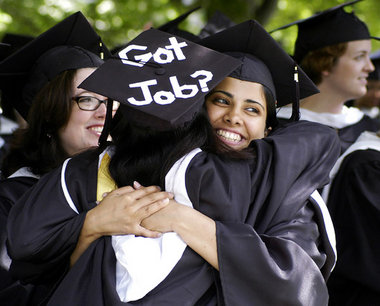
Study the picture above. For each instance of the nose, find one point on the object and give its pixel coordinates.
(233, 117)
(101, 111)
(369, 66)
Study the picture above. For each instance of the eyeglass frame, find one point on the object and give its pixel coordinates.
(105, 101)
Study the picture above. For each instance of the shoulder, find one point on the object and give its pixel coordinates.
(359, 158)
(12, 189)
(371, 123)
(215, 165)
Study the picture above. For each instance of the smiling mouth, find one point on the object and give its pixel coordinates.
(229, 136)
(96, 129)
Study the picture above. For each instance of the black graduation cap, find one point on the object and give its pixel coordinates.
(172, 26)
(265, 62)
(15, 42)
(327, 28)
(160, 79)
(5, 50)
(70, 44)
(375, 58)
(216, 23)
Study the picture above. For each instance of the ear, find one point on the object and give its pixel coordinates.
(325, 73)
(267, 131)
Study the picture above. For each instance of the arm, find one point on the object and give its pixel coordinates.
(196, 229)
(265, 232)
(44, 230)
(252, 262)
(120, 213)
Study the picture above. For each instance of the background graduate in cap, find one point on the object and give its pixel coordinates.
(353, 200)
(233, 239)
(40, 81)
(333, 48)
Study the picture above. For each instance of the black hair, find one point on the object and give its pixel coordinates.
(146, 155)
(271, 120)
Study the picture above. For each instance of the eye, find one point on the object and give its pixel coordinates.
(85, 99)
(252, 110)
(360, 57)
(220, 101)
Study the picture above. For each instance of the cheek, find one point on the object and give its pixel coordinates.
(213, 112)
(79, 118)
(256, 129)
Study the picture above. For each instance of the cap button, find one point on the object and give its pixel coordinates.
(160, 71)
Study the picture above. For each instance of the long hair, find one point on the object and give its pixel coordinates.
(146, 155)
(38, 145)
(271, 120)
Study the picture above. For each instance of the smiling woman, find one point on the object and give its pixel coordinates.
(339, 64)
(238, 112)
(42, 78)
(84, 125)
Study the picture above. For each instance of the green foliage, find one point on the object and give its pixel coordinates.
(118, 21)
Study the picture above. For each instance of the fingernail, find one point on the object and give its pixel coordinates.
(136, 185)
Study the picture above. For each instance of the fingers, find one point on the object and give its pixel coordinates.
(147, 233)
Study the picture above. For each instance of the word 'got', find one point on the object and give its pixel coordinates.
(161, 56)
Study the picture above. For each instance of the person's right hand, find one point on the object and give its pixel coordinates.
(122, 210)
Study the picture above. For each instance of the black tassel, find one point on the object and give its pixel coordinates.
(107, 124)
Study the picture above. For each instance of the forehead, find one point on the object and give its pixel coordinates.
(358, 46)
(81, 74)
(241, 88)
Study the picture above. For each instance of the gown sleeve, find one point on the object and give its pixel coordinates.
(269, 255)
(43, 229)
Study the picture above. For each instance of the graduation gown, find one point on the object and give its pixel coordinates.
(349, 125)
(12, 292)
(348, 135)
(354, 203)
(272, 243)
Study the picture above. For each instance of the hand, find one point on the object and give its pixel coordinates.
(122, 210)
(164, 220)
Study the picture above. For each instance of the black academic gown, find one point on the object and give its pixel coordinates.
(354, 204)
(12, 292)
(349, 134)
(268, 236)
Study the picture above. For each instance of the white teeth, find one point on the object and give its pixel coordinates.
(97, 129)
(229, 135)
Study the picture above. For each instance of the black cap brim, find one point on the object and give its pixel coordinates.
(251, 38)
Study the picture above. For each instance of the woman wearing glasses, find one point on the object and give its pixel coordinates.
(62, 121)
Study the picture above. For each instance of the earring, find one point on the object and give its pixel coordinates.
(267, 131)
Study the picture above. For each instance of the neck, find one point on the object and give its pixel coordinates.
(327, 101)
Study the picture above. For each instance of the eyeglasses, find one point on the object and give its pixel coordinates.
(89, 103)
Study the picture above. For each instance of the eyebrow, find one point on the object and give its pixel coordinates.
(228, 94)
(83, 91)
